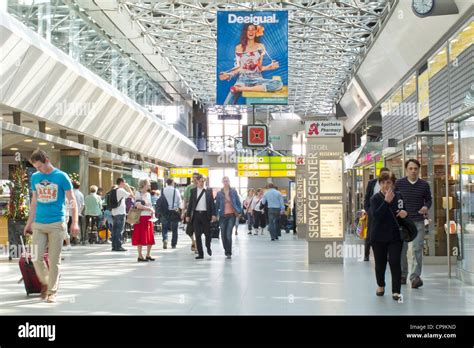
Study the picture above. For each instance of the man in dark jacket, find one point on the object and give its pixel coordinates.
(201, 211)
(373, 187)
(416, 194)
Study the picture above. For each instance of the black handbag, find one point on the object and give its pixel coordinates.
(406, 227)
(174, 215)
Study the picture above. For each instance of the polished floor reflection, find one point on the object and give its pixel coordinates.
(263, 278)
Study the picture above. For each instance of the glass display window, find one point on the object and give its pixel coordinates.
(461, 41)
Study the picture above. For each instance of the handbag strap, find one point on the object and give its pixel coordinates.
(199, 198)
(174, 195)
(391, 212)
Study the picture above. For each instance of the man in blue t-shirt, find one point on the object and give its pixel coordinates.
(47, 220)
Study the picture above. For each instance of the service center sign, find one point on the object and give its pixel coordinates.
(319, 129)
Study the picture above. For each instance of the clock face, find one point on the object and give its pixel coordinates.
(422, 7)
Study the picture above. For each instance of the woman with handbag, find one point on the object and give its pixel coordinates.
(143, 229)
(247, 210)
(258, 212)
(229, 210)
(385, 207)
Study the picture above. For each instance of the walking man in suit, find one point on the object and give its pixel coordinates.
(201, 211)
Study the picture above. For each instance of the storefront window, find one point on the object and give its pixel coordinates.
(431, 154)
(386, 109)
(396, 99)
(437, 62)
(410, 149)
(409, 87)
(461, 41)
(395, 164)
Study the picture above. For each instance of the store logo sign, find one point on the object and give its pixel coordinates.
(233, 18)
(300, 161)
(317, 129)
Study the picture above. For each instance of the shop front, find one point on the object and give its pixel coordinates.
(361, 166)
(435, 155)
(461, 176)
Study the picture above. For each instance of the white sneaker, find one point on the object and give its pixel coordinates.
(67, 248)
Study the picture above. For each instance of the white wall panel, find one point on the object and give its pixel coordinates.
(39, 79)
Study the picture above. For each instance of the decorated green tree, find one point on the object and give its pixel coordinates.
(18, 209)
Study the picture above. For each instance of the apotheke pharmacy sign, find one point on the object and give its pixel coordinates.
(319, 129)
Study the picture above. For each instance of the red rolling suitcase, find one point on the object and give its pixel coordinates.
(30, 279)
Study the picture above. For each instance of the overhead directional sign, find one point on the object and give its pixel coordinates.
(266, 166)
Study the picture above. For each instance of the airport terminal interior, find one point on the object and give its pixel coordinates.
(236, 157)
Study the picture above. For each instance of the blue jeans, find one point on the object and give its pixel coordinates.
(250, 221)
(173, 226)
(117, 230)
(250, 81)
(274, 222)
(226, 224)
(269, 84)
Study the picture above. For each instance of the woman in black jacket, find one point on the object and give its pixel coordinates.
(385, 206)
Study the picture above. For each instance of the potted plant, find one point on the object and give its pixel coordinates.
(18, 209)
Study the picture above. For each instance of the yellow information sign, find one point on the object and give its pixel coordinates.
(253, 166)
(187, 172)
(282, 159)
(254, 173)
(266, 166)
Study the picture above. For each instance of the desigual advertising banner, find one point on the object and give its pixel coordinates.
(252, 57)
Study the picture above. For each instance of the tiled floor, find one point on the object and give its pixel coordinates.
(263, 277)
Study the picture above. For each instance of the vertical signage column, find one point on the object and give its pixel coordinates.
(324, 191)
(301, 227)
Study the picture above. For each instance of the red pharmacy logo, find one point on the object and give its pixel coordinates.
(300, 161)
(313, 129)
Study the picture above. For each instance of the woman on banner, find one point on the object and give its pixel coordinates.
(249, 66)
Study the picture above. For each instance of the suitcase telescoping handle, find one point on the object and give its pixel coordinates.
(24, 249)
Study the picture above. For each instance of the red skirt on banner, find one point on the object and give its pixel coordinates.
(143, 232)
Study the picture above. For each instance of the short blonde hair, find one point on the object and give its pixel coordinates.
(142, 183)
(93, 189)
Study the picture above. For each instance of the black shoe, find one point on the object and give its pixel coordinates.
(229, 256)
(404, 281)
(141, 259)
(366, 258)
(250, 232)
(273, 239)
(380, 293)
(149, 258)
(416, 283)
(199, 257)
(173, 247)
(209, 251)
(121, 249)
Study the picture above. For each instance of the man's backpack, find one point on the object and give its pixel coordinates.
(162, 208)
(111, 199)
